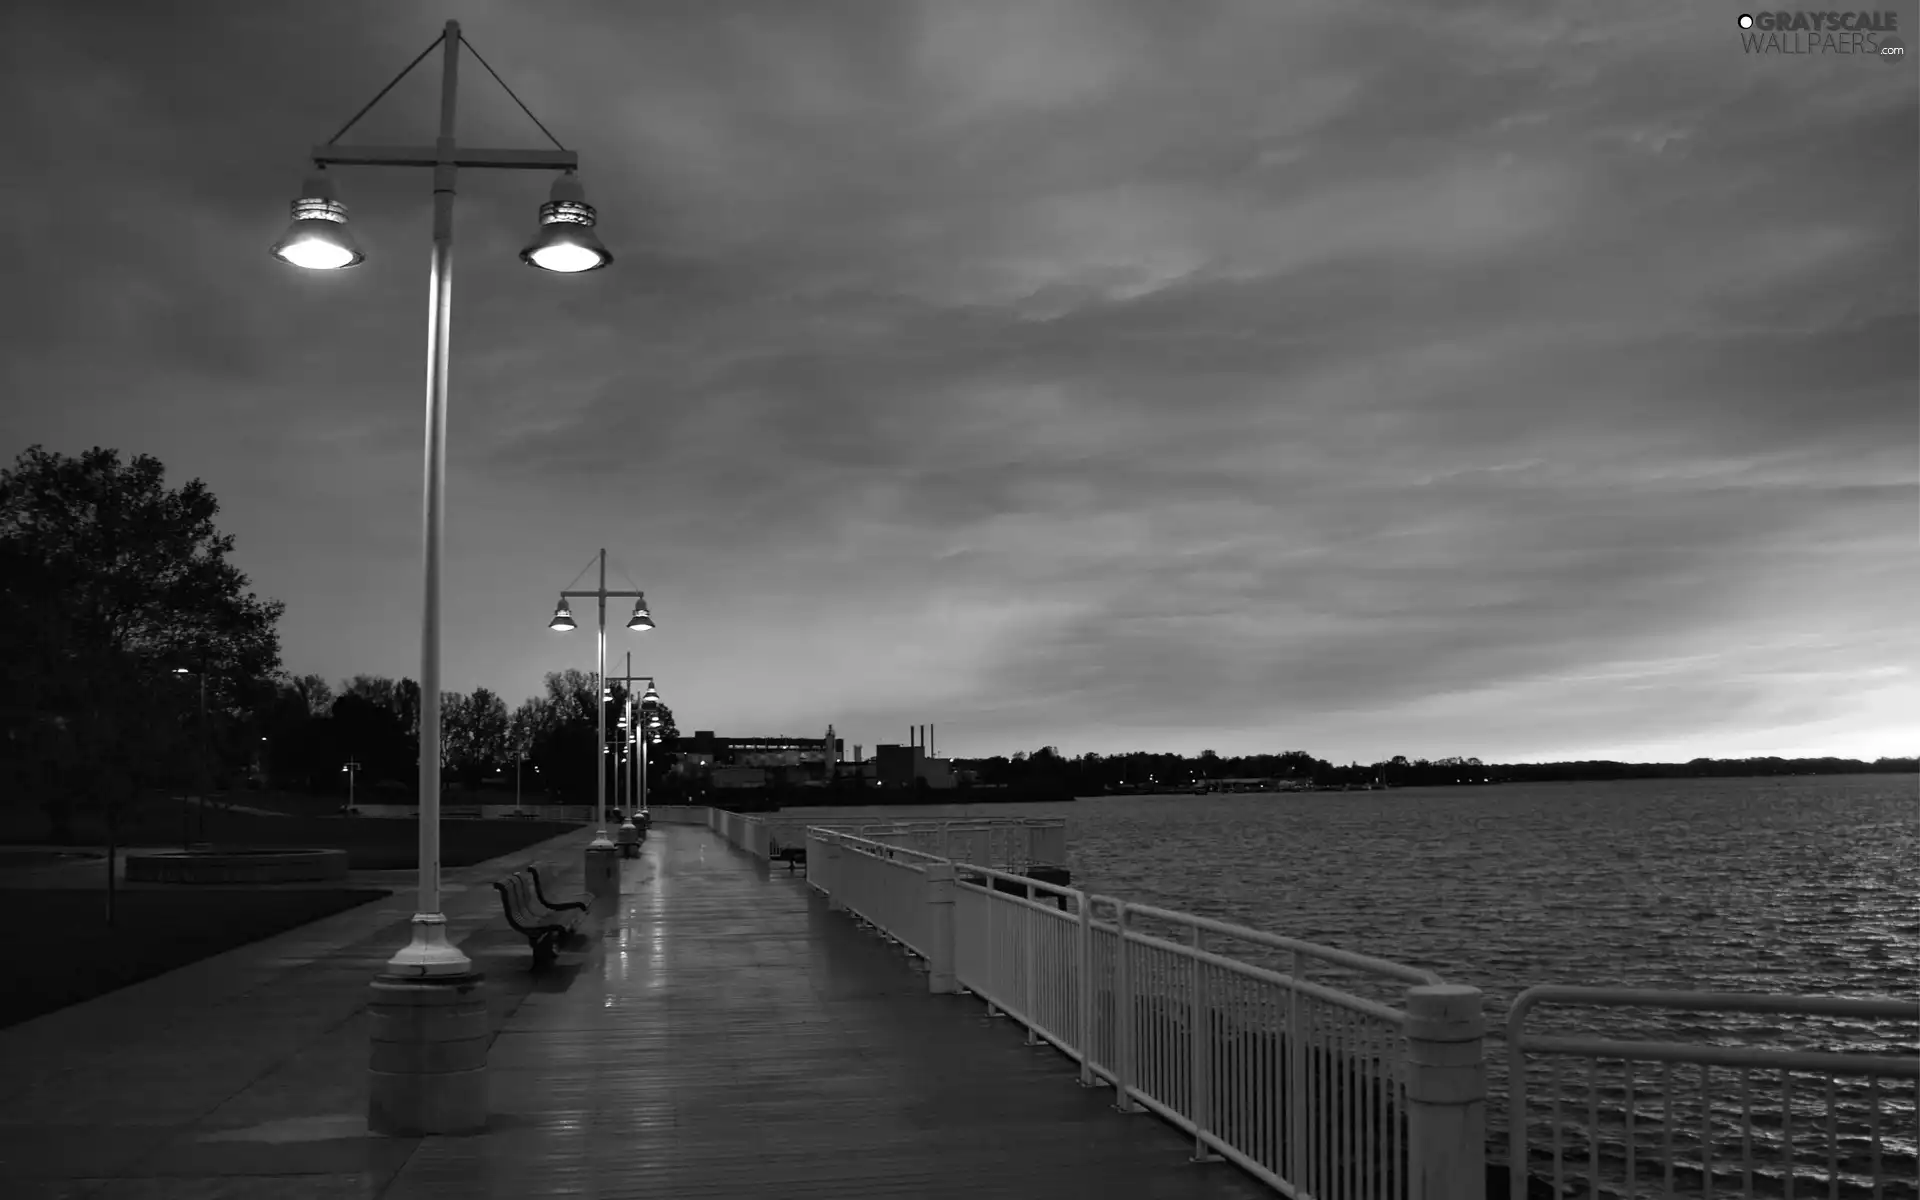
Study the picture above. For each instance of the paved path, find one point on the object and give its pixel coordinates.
(724, 1035)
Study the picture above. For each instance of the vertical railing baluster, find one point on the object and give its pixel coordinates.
(1706, 1133)
(1030, 992)
(1786, 1128)
(1873, 1130)
(1633, 1176)
(1296, 1079)
(1559, 1168)
(1833, 1144)
(1085, 954)
(1746, 1130)
(1593, 1127)
(1666, 1118)
(1123, 1015)
(1199, 1046)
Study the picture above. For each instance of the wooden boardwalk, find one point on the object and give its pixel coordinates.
(733, 1038)
(723, 1036)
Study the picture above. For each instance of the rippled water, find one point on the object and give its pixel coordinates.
(1808, 884)
(1799, 885)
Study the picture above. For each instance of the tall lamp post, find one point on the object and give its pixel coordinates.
(602, 871)
(407, 1099)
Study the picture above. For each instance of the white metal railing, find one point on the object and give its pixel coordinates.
(1715, 1129)
(1314, 1090)
(1005, 843)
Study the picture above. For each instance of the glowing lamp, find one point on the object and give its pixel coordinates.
(566, 242)
(318, 239)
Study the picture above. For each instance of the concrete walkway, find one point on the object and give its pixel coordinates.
(723, 1035)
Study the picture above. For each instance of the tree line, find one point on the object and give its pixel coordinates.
(1093, 774)
(314, 730)
(134, 657)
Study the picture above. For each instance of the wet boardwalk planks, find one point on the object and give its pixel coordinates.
(732, 1038)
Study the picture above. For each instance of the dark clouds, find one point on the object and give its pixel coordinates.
(1508, 379)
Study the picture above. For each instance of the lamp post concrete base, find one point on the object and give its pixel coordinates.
(628, 839)
(603, 875)
(428, 1070)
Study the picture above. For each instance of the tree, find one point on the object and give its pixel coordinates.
(314, 690)
(111, 582)
(475, 732)
(375, 688)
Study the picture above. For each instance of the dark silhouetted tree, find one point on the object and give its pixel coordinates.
(108, 581)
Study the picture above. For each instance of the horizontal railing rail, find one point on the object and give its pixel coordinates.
(1845, 1135)
(1005, 842)
(1312, 1089)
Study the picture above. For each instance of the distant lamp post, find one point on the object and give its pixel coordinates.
(405, 1100)
(187, 813)
(563, 621)
(641, 726)
(351, 769)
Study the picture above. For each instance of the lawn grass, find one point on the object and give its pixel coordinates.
(62, 950)
(371, 843)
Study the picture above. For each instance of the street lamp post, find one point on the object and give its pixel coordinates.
(187, 814)
(352, 769)
(421, 1083)
(602, 871)
(643, 728)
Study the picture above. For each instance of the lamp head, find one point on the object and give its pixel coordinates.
(566, 243)
(641, 619)
(562, 617)
(318, 239)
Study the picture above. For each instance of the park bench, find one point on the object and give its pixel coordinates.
(582, 903)
(544, 931)
(791, 855)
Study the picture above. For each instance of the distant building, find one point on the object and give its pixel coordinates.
(902, 766)
(756, 761)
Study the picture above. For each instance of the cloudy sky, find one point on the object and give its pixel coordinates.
(1526, 380)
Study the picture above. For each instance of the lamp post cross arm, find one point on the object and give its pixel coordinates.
(598, 594)
(450, 156)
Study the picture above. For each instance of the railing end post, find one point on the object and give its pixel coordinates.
(1446, 1092)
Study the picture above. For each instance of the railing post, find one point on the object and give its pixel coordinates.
(1446, 1093)
(834, 903)
(1027, 993)
(942, 914)
(993, 947)
(1123, 1021)
(1200, 1026)
(1085, 952)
